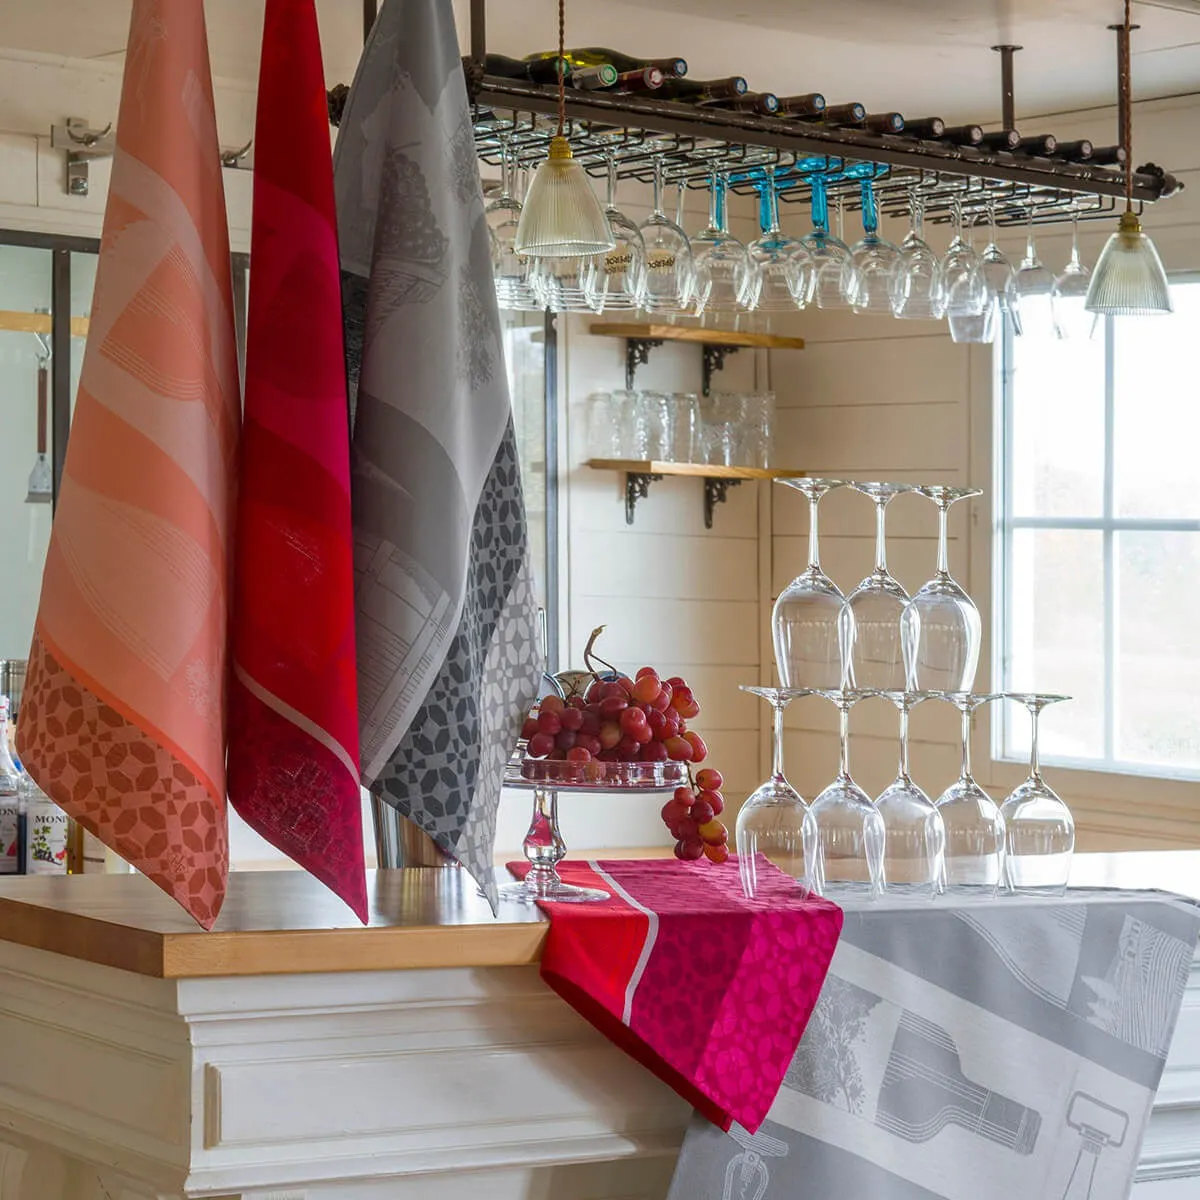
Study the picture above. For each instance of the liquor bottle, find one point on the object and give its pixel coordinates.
(844, 114)
(765, 104)
(811, 104)
(924, 1089)
(590, 56)
(47, 829)
(931, 129)
(1108, 156)
(962, 135)
(592, 79)
(701, 91)
(1080, 151)
(10, 800)
(1041, 145)
(643, 79)
(1001, 139)
(542, 70)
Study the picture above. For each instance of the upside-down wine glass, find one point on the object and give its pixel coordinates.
(973, 824)
(615, 280)
(668, 283)
(781, 273)
(1039, 828)
(962, 275)
(721, 264)
(806, 620)
(917, 290)
(914, 836)
(845, 835)
(877, 605)
(1034, 283)
(950, 632)
(773, 819)
(510, 270)
(998, 275)
(833, 276)
(872, 260)
(1071, 319)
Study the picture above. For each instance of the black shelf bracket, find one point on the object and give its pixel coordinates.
(714, 360)
(715, 491)
(637, 487)
(637, 354)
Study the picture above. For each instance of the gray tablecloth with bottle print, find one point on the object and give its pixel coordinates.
(986, 1049)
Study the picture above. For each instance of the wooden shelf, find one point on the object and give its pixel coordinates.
(692, 333)
(27, 322)
(641, 473)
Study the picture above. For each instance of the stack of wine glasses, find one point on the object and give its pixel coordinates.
(880, 642)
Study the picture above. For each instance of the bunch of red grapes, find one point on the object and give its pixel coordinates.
(643, 719)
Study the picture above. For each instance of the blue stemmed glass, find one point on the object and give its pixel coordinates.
(832, 271)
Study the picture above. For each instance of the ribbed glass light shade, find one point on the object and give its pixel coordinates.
(1129, 280)
(561, 217)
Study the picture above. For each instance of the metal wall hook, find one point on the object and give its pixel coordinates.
(82, 144)
(237, 159)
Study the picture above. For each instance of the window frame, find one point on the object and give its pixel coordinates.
(1005, 524)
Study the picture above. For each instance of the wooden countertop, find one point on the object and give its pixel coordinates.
(284, 922)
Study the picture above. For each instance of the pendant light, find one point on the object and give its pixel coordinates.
(561, 217)
(1129, 279)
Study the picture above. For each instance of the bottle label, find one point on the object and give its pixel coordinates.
(660, 260)
(617, 262)
(8, 835)
(46, 839)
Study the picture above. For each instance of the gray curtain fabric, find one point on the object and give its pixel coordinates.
(448, 655)
(980, 1050)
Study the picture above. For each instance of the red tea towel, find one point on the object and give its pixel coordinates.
(707, 989)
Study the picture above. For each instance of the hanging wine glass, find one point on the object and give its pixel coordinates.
(510, 270)
(1039, 828)
(833, 277)
(773, 819)
(962, 274)
(998, 275)
(781, 274)
(1034, 283)
(615, 280)
(721, 263)
(950, 632)
(668, 280)
(917, 288)
(973, 824)
(877, 606)
(844, 843)
(805, 622)
(914, 836)
(1071, 319)
(873, 259)
(561, 284)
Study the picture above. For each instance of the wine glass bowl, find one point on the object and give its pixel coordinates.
(917, 288)
(1071, 318)
(781, 273)
(962, 276)
(721, 267)
(1034, 285)
(616, 280)
(667, 284)
(873, 259)
(832, 271)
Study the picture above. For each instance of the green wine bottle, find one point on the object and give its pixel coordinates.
(699, 91)
(592, 56)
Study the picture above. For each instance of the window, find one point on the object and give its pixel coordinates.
(1098, 554)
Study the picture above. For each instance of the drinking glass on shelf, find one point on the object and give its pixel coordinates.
(685, 427)
(510, 270)
(962, 273)
(950, 632)
(878, 605)
(832, 276)
(654, 415)
(845, 839)
(632, 435)
(668, 280)
(1039, 828)
(1071, 319)
(721, 264)
(872, 260)
(973, 824)
(917, 290)
(758, 429)
(914, 836)
(773, 819)
(998, 275)
(615, 280)
(722, 429)
(806, 623)
(1034, 284)
(603, 430)
(781, 273)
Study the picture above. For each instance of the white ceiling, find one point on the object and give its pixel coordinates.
(920, 56)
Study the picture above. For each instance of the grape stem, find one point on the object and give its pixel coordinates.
(589, 655)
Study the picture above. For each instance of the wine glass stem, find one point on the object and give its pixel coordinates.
(506, 170)
(904, 741)
(1075, 240)
(814, 554)
(966, 743)
(844, 738)
(1035, 761)
(820, 205)
(881, 536)
(870, 218)
(943, 553)
(612, 181)
(777, 749)
(658, 187)
(768, 209)
(716, 203)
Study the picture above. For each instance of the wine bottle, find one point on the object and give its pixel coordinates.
(811, 104)
(1080, 151)
(642, 79)
(765, 104)
(590, 56)
(591, 79)
(1001, 139)
(1041, 145)
(1108, 156)
(698, 91)
(962, 135)
(886, 122)
(930, 128)
(542, 70)
(844, 114)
